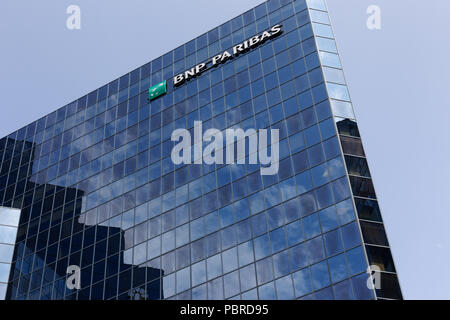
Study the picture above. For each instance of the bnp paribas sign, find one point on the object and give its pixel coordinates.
(238, 49)
(161, 88)
(157, 90)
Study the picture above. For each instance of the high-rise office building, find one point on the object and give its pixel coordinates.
(94, 186)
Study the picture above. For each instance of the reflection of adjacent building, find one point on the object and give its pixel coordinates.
(9, 221)
(53, 235)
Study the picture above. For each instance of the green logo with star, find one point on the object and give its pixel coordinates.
(157, 90)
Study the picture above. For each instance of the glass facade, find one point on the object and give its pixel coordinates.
(95, 187)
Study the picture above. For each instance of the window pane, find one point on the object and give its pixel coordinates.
(8, 234)
(6, 253)
(381, 257)
(368, 209)
(374, 233)
(357, 166)
(352, 146)
(9, 216)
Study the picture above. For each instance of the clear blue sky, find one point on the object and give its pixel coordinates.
(397, 78)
